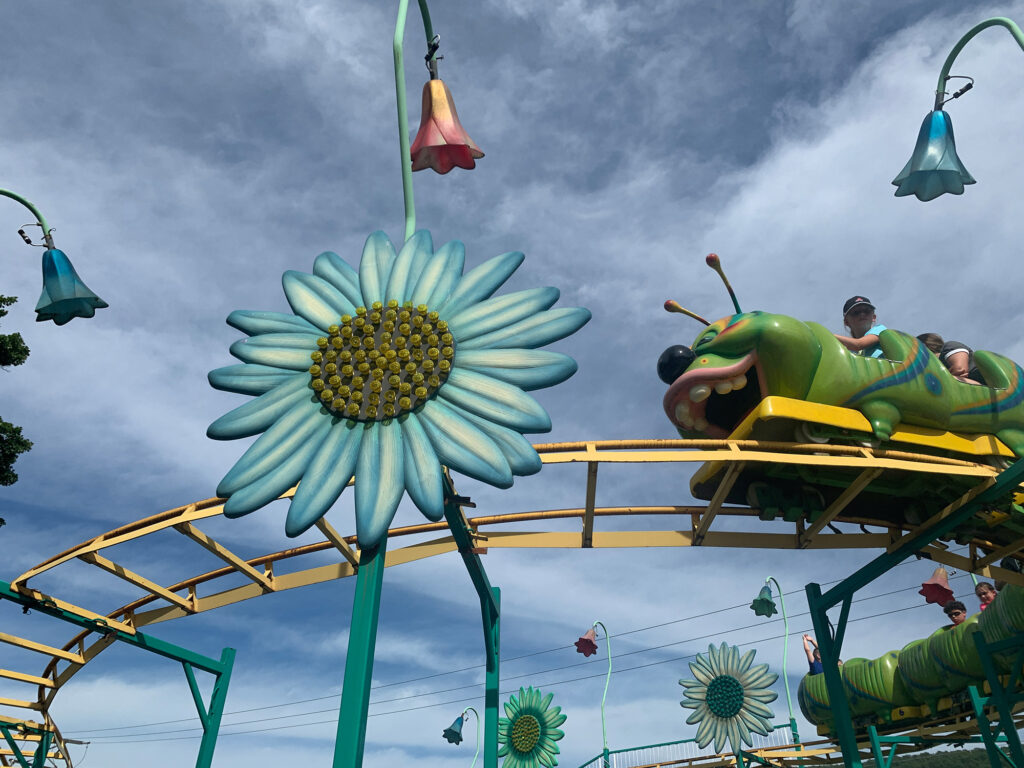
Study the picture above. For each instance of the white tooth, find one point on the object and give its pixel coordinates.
(739, 382)
(700, 424)
(723, 387)
(683, 415)
(700, 393)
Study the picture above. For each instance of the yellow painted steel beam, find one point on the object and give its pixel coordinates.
(338, 541)
(71, 608)
(40, 648)
(1010, 549)
(133, 578)
(17, 703)
(21, 677)
(837, 506)
(702, 527)
(198, 510)
(287, 581)
(214, 547)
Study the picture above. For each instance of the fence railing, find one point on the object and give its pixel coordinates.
(684, 749)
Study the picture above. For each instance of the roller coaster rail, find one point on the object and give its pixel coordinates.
(301, 566)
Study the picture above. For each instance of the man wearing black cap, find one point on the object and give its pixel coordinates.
(859, 317)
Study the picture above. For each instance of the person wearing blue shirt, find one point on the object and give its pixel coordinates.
(859, 317)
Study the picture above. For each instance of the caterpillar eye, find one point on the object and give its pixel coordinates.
(673, 362)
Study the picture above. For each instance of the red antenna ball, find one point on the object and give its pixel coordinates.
(712, 260)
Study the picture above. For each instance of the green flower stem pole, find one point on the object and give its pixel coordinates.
(785, 659)
(35, 212)
(1000, 21)
(604, 696)
(403, 112)
(362, 638)
(475, 756)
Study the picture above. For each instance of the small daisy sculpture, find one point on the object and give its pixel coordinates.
(729, 697)
(527, 736)
(385, 374)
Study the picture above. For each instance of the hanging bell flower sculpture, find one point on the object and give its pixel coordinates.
(934, 168)
(763, 605)
(453, 733)
(936, 589)
(64, 295)
(441, 142)
(587, 644)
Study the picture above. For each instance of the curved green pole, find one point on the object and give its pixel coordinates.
(470, 709)
(35, 212)
(403, 113)
(998, 21)
(785, 659)
(607, 679)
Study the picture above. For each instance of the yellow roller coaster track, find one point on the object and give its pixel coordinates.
(293, 568)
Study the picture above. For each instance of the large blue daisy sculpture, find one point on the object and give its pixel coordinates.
(729, 696)
(387, 374)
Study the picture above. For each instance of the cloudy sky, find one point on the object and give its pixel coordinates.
(188, 153)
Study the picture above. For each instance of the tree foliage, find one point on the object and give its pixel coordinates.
(13, 351)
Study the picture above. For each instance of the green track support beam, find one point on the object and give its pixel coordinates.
(210, 717)
(1002, 697)
(190, 660)
(830, 644)
(490, 611)
(362, 641)
(492, 707)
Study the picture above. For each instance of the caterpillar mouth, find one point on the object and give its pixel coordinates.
(713, 401)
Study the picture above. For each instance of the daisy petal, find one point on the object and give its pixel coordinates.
(521, 456)
(503, 749)
(757, 708)
(704, 732)
(315, 299)
(380, 485)
(375, 267)
(256, 415)
(543, 328)
(284, 437)
(495, 400)
(527, 369)
(402, 278)
(336, 271)
(439, 275)
(764, 695)
(746, 661)
(546, 759)
(480, 282)
(326, 477)
(246, 379)
(557, 721)
(278, 480)
(463, 447)
(282, 350)
(254, 323)
(423, 477)
(500, 311)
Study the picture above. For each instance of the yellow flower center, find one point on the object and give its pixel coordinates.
(525, 733)
(383, 362)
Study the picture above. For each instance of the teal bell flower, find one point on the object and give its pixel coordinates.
(933, 168)
(763, 605)
(453, 733)
(64, 296)
(386, 374)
